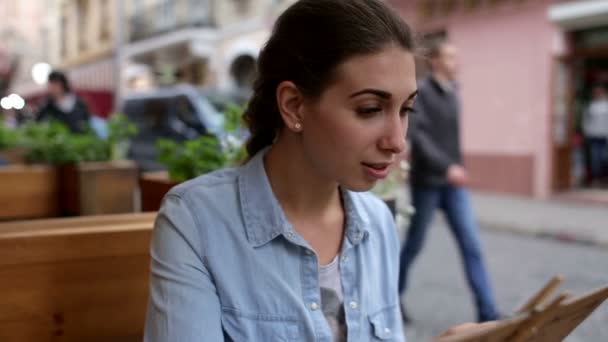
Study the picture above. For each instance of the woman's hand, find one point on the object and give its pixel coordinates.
(464, 328)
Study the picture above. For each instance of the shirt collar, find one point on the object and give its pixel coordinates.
(264, 218)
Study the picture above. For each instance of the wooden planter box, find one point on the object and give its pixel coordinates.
(28, 192)
(98, 188)
(13, 155)
(153, 187)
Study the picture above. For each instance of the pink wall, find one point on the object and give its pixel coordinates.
(505, 76)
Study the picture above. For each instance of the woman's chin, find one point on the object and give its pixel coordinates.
(359, 186)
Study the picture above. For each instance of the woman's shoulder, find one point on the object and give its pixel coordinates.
(199, 204)
(371, 208)
(378, 219)
(208, 185)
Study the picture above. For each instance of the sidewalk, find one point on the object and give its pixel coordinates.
(555, 219)
(566, 221)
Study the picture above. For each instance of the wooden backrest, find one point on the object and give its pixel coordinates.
(76, 222)
(83, 279)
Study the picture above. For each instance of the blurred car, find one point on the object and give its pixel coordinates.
(178, 113)
(221, 99)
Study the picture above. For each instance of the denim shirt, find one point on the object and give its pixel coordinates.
(228, 266)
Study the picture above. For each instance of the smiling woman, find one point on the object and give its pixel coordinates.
(290, 246)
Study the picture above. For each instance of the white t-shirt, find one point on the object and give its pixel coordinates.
(332, 299)
(595, 121)
(67, 103)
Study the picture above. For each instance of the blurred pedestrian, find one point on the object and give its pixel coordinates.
(438, 178)
(595, 129)
(63, 105)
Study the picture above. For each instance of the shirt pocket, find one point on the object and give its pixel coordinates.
(246, 326)
(386, 324)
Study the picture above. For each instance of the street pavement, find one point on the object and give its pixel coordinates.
(519, 264)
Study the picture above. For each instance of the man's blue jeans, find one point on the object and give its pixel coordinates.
(597, 155)
(456, 204)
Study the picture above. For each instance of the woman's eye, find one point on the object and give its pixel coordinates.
(368, 111)
(405, 111)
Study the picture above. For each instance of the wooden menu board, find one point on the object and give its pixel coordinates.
(539, 322)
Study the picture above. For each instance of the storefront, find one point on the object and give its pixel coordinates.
(582, 66)
(516, 64)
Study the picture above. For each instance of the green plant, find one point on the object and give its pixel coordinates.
(53, 143)
(394, 182)
(8, 137)
(121, 129)
(233, 118)
(206, 154)
(192, 158)
(42, 141)
(233, 143)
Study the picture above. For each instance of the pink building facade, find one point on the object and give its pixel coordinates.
(509, 51)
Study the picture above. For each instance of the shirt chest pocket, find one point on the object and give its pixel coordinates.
(386, 324)
(245, 326)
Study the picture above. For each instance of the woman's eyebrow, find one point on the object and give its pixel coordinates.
(380, 93)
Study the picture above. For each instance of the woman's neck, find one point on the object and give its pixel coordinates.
(298, 187)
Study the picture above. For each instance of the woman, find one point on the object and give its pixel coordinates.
(288, 247)
(64, 105)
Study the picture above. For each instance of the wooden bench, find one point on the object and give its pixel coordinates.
(78, 279)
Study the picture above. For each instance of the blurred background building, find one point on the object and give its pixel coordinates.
(25, 40)
(109, 48)
(526, 70)
(527, 67)
(206, 43)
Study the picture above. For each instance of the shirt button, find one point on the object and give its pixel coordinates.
(344, 258)
(314, 306)
(354, 305)
(387, 330)
(290, 234)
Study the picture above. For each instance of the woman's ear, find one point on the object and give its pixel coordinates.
(290, 102)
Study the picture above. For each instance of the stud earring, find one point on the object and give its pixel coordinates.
(297, 126)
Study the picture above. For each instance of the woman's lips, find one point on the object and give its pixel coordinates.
(377, 170)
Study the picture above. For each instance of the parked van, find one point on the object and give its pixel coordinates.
(178, 113)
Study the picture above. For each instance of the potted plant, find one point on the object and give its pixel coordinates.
(30, 191)
(97, 177)
(193, 158)
(10, 152)
(94, 177)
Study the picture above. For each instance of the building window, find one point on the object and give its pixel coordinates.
(447, 7)
(104, 30)
(472, 4)
(242, 6)
(44, 39)
(82, 7)
(63, 32)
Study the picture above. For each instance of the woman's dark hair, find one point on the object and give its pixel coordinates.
(309, 40)
(59, 77)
